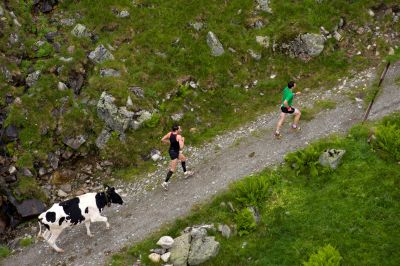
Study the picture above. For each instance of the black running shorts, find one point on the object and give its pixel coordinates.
(173, 154)
(286, 111)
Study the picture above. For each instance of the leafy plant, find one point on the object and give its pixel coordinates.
(388, 140)
(27, 187)
(305, 162)
(25, 242)
(153, 121)
(4, 251)
(252, 191)
(326, 256)
(245, 222)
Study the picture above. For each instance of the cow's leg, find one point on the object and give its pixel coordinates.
(46, 234)
(100, 218)
(87, 223)
(52, 241)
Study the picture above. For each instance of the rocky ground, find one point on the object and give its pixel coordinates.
(228, 157)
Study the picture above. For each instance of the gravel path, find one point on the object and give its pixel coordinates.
(218, 163)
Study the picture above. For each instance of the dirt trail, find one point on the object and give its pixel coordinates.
(217, 164)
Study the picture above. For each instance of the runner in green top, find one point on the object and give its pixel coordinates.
(286, 108)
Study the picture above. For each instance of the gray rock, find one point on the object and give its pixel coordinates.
(50, 36)
(137, 91)
(391, 51)
(53, 160)
(180, 250)
(338, 37)
(123, 14)
(10, 178)
(100, 54)
(155, 155)
(254, 55)
(197, 25)
(103, 138)
(256, 214)
(26, 172)
(331, 158)
(11, 133)
(202, 250)
(198, 232)
(177, 117)
(67, 21)
(14, 38)
(29, 207)
(80, 31)
(12, 170)
(109, 72)
(225, 230)
(165, 257)
(66, 187)
(306, 45)
(76, 142)
(142, 117)
(6, 73)
(263, 41)
(129, 102)
(216, 47)
(264, 5)
(42, 171)
(159, 250)
(154, 257)
(165, 242)
(61, 193)
(117, 119)
(32, 78)
(61, 86)
(1, 11)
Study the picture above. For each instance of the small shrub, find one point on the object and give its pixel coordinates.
(153, 121)
(326, 256)
(305, 162)
(245, 222)
(252, 191)
(388, 140)
(4, 251)
(26, 188)
(25, 242)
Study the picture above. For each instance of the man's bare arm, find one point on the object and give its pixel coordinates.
(165, 139)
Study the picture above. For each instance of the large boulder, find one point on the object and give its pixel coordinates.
(100, 54)
(142, 116)
(202, 249)
(216, 47)
(117, 119)
(28, 208)
(180, 250)
(305, 46)
(331, 158)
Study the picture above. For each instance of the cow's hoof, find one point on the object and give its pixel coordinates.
(60, 250)
(90, 235)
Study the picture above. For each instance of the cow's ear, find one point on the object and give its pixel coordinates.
(113, 189)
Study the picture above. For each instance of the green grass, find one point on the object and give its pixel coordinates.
(303, 217)
(26, 242)
(4, 251)
(218, 105)
(308, 114)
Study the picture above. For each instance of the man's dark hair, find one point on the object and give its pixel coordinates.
(291, 84)
(175, 127)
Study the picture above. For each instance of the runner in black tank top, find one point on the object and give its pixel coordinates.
(176, 143)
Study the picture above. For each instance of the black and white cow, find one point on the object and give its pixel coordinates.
(85, 208)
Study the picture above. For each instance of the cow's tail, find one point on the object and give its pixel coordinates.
(39, 236)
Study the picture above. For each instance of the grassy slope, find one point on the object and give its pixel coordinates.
(355, 209)
(152, 27)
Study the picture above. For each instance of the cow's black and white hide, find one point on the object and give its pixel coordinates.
(86, 208)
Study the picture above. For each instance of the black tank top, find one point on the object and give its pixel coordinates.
(174, 143)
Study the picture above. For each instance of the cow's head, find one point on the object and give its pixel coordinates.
(113, 196)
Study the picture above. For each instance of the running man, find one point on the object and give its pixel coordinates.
(177, 143)
(286, 108)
